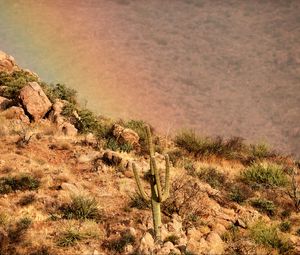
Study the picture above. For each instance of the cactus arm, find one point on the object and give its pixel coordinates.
(139, 184)
(157, 179)
(167, 179)
(149, 140)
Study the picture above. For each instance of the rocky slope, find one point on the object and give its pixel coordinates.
(67, 187)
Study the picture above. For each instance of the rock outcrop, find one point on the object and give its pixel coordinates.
(17, 113)
(125, 135)
(5, 103)
(35, 100)
(7, 63)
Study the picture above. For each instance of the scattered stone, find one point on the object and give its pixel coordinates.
(17, 113)
(68, 129)
(35, 100)
(167, 248)
(128, 249)
(147, 244)
(240, 223)
(215, 243)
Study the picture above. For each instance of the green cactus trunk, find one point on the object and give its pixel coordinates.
(156, 214)
(158, 195)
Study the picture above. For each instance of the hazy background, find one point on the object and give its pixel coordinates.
(223, 67)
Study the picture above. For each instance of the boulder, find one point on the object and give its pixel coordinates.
(35, 100)
(125, 135)
(7, 63)
(68, 129)
(147, 244)
(5, 103)
(15, 112)
(215, 243)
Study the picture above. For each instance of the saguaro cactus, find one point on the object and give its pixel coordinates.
(158, 195)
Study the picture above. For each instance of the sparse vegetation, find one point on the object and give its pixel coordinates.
(136, 201)
(206, 146)
(212, 176)
(285, 226)
(70, 237)
(239, 193)
(266, 235)
(81, 208)
(23, 182)
(27, 200)
(172, 238)
(264, 206)
(119, 244)
(17, 232)
(265, 174)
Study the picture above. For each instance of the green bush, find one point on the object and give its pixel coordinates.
(81, 208)
(60, 91)
(285, 226)
(24, 182)
(205, 146)
(17, 232)
(15, 81)
(70, 237)
(136, 201)
(240, 193)
(212, 176)
(269, 236)
(265, 174)
(119, 244)
(87, 122)
(264, 206)
(260, 151)
(172, 238)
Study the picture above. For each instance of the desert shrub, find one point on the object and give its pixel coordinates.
(268, 236)
(24, 182)
(174, 156)
(298, 232)
(172, 238)
(240, 193)
(44, 250)
(189, 166)
(259, 151)
(285, 226)
(206, 146)
(59, 91)
(119, 244)
(285, 214)
(186, 199)
(264, 206)
(231, 235)
(27, 199)
(212, 176)
(70, 237)
(87, 122)
(265, 174)
(136, 201)
(16, 233)
(68, 110)
(15, 81)
(81, 208)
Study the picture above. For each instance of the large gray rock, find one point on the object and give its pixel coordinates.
(35, 101)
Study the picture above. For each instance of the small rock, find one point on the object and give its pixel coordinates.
(240, 223)
(111, 158)
(128, 174)
(128, 249)
(35, 100)
(68, 129)
(132, 231)
(147, 244)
